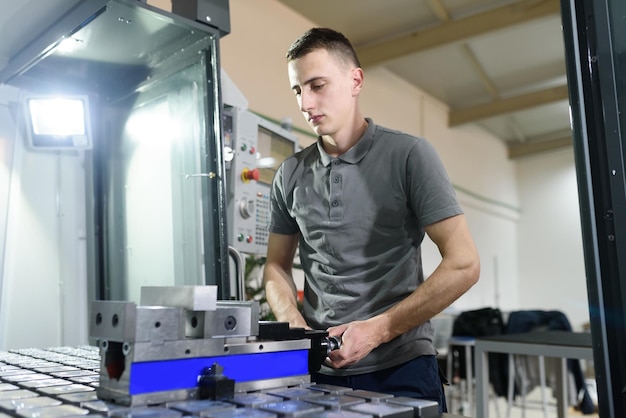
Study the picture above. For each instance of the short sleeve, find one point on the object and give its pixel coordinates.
(281, 221)
(431, 194)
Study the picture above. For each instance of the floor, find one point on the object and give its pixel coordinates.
(498, 408)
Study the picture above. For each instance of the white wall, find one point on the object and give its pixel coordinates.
(550, 256)
(43, 286)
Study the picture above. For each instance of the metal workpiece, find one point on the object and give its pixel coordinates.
(205, 316)
(192, 298)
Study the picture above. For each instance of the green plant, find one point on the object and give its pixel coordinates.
(253, 275)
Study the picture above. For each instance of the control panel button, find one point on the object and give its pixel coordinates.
(247, 174)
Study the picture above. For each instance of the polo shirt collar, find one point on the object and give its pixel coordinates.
(358, 150)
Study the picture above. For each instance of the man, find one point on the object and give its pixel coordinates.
(358, 203)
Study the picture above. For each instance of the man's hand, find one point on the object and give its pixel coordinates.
(358, 339)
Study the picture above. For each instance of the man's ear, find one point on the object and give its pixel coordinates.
(357, 80)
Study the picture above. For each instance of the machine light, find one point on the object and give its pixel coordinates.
(58, 122)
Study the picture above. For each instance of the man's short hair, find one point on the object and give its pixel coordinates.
(324, 38)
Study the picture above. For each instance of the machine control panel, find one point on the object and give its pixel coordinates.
(254, 148)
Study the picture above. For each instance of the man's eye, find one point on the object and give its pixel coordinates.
(316, 86)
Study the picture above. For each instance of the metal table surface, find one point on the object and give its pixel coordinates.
(63, 381)
(559, 344)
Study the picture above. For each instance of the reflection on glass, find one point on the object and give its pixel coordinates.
(272, 150)
(159, 226)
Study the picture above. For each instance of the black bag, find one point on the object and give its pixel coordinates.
(477, 323)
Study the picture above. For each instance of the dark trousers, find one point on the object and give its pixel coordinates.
(417, 378)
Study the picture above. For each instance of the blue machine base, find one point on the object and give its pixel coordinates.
(166, 375)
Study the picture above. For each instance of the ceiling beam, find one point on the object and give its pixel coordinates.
(456, 30)
(530, 148)
(480, 71)
(440, 10)
(511, 104)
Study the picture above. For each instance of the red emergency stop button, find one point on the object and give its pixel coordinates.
(247, 175)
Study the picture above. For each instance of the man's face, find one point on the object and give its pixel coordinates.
(325, 90)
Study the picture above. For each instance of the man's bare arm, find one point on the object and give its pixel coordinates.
(458, 271)
(280, 289)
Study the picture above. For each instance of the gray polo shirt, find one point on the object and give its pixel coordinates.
(360, 218)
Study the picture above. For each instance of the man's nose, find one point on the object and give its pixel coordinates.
(306, 101)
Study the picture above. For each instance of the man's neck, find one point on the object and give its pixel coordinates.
(338, 144)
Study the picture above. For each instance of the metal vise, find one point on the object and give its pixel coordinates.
(181, 343)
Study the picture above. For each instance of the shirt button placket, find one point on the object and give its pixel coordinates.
(335, 191)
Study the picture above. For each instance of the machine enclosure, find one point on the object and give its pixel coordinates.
(215, 13)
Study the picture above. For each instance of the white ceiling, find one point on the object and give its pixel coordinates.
(496, 63)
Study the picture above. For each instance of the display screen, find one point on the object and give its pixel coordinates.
(272, 150)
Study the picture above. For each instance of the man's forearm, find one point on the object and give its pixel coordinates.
(280, 293)
(429, 299)
(458, 271)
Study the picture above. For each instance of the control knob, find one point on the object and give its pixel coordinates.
(246, 208)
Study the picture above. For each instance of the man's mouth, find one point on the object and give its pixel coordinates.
(315, 119)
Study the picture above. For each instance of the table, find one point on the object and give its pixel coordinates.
(468, 343)
(560, 344)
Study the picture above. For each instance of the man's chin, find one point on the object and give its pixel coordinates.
(317, 129)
